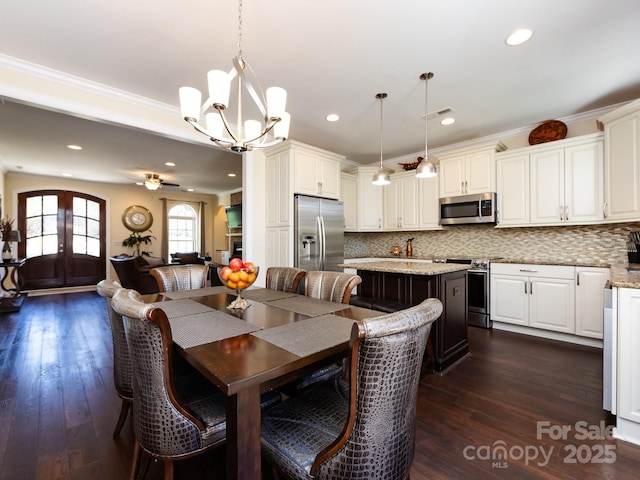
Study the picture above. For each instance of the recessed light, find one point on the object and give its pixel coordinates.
(67, 175)
(170, 164)
(448, 121)
(519, 36)
(74, 147)
(333, 117)
(231, 174)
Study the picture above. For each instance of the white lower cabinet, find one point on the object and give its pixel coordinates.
(539, 296)
(590, 282)
(628, 361)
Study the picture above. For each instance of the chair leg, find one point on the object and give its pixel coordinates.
(168, 470)
(124, 410)
(135, 463)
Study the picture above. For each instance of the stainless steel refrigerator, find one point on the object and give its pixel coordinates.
(319, 233)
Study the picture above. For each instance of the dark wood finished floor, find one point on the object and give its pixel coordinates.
(58, 407)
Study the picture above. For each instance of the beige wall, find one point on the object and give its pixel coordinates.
(118, 198)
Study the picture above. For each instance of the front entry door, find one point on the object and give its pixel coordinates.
(63, 240)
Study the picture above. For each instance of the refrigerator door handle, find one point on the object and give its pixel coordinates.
(321, 241)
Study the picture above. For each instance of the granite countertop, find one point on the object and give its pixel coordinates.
(406, 266)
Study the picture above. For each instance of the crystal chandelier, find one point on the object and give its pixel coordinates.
(250, 134)
(425, 168)
(381, 177)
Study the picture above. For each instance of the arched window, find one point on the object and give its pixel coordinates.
(184, 231)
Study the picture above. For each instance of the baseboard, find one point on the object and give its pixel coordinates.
(536, 332)
(53, 291)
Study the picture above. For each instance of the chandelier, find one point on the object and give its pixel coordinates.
(381, 176)
(250, 134)
(425, 168)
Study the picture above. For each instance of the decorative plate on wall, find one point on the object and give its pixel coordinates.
(137, 218)
(548, 132)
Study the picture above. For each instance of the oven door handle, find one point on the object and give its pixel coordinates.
(473, 270)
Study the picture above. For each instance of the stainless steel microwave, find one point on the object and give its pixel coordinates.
(468, 209)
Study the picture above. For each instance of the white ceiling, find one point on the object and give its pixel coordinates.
(331, 56)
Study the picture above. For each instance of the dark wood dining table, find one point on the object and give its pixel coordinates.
(280, 337)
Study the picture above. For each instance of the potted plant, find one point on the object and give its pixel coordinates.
(6, 227)
(136, 239)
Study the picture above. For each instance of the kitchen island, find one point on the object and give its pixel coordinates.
(390, 284)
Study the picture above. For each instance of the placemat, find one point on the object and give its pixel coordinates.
(308, 306)
(193, 330)
(309, 336)
(181, 308)
(265, 294)
(198, 292)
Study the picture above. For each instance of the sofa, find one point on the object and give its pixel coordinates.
(133, 272)
(186, 258)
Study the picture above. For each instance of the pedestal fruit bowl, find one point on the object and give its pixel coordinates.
(238, 276)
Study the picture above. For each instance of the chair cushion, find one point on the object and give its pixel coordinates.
(301, 426)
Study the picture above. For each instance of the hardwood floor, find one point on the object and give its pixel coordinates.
(58, 406)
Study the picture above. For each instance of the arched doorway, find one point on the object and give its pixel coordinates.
(63, 238)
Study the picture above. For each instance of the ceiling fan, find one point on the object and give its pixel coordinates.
(154, 182)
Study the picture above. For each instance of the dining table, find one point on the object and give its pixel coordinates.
(281, 336)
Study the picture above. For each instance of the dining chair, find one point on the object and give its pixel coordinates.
(172, 278)
(362, 427)
(331, 286)
(285, 279)
(173, 417)
(121, 358)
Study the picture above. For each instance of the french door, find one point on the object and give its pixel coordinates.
(63, 239)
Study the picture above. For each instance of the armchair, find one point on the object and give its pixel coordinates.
(133, 272)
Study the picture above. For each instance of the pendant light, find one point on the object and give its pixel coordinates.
(426, 169)
(381, 177)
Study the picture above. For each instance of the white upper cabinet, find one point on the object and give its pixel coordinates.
(369, 212)
(401, 202)
(316, 172)
(554, 183)
(429, 205)
(349, 198)
(622, 163)
(467, 172)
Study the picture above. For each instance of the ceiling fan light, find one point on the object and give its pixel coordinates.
(381, 177)
(219, 88)
(426, 169)
(190, 101)
(276, 102)
(152, 185)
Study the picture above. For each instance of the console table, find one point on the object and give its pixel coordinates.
(12, 298)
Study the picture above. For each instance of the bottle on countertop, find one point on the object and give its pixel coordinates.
(409, 248)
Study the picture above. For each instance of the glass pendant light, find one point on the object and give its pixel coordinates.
(381, 177)
(426, 169)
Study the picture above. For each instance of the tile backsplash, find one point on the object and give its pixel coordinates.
(587, 244)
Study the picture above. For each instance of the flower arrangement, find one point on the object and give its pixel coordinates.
(6, 226)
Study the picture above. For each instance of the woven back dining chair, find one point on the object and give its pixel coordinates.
(121, 359)
(285, 279)
(363, 427)
(172, 278)
(174, 417)
(331, 286)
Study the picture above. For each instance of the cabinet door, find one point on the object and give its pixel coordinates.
(328, 178)
(279, 249)
(306, 179)
(622, 169)
(369, 212)
(348, 196)
(409, 207)
(480, 173)
(513, 190)
(551, 304)
(547, 187)
(509, 299)
(392, 202)
(628, 358)
(451, 176)
(429, 206)
(583, 184)
(590, 282)
(279, 197)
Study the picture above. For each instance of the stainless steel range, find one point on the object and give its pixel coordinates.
(478, 285)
